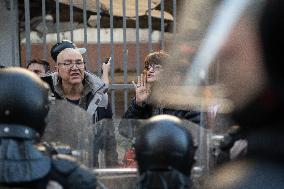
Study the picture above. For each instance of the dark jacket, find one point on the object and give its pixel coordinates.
(63, 172)
(23, 165)
(146, 111)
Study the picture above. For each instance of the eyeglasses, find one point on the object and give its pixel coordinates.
(68, 64)
(154, 67)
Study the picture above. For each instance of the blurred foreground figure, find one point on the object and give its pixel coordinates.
(23, 109)
(255, 80)
(165, 154)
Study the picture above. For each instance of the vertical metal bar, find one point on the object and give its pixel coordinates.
(113, 104)
(16, 34)
(57, 21)
(111, 40)
(99, 36)
(12, 20)
(149, 26)
(85, 30)
(44, 29)
(27, 30)
(137, 39)
(162, 24)
(124, 54)
(175, 16)
(202, 144)
(112, 57)
(71, 20)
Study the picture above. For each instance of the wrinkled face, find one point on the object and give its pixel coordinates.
(37, 69)
(153, 72)
(70, 66)
(241, 66)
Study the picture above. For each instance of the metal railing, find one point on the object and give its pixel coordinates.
(113, 86)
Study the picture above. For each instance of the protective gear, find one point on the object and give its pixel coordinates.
(264, 108)
(69, 174)
(164, 179)
(64, 173)
(261, 120)
(64, 44)
(164, 147)
(23, 108)
(23, 99)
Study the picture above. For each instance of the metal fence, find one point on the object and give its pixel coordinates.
(113, 86)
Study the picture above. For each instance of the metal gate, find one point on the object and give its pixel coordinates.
(111, 14)
(100, 9)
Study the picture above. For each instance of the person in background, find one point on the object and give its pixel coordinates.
(140, 107)
(39, 66)
(71, 82)
(24, 106)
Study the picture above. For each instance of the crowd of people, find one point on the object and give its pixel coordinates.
(164, 149)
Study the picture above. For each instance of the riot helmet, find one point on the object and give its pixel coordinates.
(23, 108)
(164, 144)
(23, 99)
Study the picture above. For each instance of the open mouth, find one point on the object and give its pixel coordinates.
(75, 74)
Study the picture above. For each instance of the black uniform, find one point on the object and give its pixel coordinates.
(23, 108)
(261, 120)
(165, 154)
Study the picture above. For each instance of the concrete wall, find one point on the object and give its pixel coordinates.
(9, 44)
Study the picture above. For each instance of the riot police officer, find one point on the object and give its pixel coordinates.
(165, 153)
(23, 108)
(257, 39)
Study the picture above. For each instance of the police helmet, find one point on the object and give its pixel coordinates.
(164, 144)
(23, 100)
